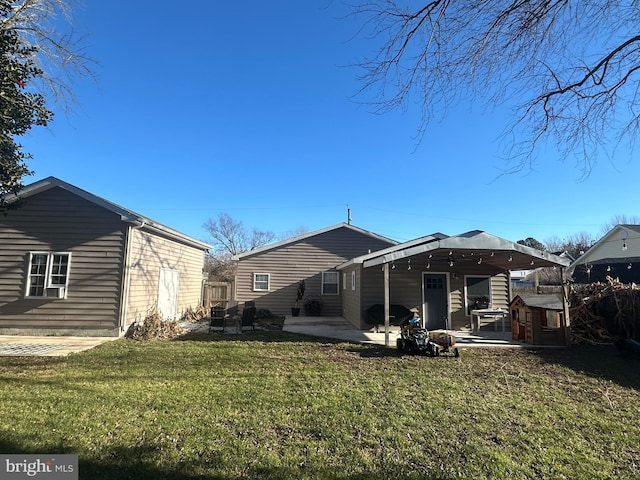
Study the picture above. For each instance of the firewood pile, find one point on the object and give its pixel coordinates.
(603, 311)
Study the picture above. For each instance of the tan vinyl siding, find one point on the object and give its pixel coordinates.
(456, 303)
(305, 259)
(500, 291)
(151, 252)
(405, 288)
(351, 298)
(56, 220)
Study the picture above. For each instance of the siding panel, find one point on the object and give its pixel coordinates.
(151, 252)
(305, 259)
(56, 220)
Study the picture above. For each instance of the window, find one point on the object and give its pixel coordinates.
(329, 283)
(261, 282)
(353, 280)
(344, 280)
(477, 293)
(48, 274)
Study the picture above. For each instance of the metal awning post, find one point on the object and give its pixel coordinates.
(386, 304)
(565, 307)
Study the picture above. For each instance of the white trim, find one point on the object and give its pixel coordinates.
(255, 289)
(50, 290)
(126, 215)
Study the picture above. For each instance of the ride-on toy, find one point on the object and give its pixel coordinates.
(416, 339)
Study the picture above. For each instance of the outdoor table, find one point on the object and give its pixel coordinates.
(488, 313)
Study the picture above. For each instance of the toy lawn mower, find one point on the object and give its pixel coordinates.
(417, 340)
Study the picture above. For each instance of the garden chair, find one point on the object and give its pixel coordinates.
(217, 318)
(248, 317)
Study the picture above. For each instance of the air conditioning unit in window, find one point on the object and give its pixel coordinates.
(54, 292)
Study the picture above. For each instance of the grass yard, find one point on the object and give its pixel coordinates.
(269, 404)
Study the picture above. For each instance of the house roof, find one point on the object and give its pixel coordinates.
(304, 236)
(549, 302)
(466, 247)
(126, 215)
(622, 235)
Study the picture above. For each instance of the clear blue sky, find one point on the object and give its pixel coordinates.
(246, 107)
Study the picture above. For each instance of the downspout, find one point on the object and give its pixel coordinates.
(126, 283)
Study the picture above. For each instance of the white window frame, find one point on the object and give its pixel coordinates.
(335, 275)
(353, 280)
(344, 280)
(255, 281)
(50, 289)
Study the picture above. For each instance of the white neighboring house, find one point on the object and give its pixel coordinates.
(616, 255)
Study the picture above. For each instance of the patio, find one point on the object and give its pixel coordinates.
(339, 328)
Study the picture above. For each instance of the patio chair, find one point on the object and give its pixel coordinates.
(248, 317)
(216, 319)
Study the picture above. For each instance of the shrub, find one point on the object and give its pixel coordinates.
(154, 326)
(263, 313)
(313, 307)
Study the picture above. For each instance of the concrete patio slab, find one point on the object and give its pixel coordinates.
(51, 346)
(341, 329)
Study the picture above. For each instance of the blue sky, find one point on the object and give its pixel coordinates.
(246, 108)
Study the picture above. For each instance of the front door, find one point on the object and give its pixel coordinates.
(436, 303)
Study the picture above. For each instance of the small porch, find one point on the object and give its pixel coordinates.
(340, 329)
(452, 282)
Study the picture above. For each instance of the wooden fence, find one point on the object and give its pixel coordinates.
(217, 294)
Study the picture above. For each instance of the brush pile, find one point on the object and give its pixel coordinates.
(154, 327)
(604, 311)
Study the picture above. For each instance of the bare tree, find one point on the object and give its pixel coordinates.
(620, 219)
(572, 67)
(229, 238)
(575, 245)
(293, 233)
(38, 65)
(48, 27)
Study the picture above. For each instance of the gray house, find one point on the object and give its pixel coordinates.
(443, 277)
(270, 275)
(72, 263)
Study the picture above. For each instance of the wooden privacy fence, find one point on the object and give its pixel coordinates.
(217, 294)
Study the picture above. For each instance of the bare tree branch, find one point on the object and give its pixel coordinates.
(570, 67)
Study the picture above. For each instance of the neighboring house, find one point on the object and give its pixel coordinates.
(72, 263)
(531, 278)
(443, 277)
(269, 275)
(616, 255)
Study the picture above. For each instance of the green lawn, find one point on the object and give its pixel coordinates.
(269, 404)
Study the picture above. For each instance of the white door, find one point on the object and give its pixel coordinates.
(168, 293)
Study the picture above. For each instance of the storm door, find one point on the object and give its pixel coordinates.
(436, 303)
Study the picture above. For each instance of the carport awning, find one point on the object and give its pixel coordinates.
(472, 247)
